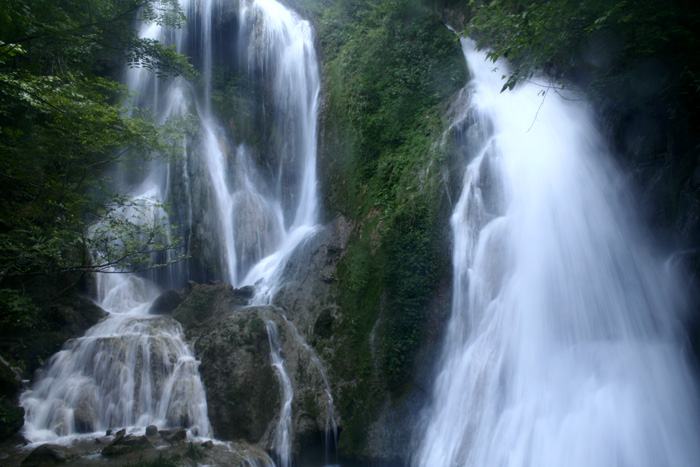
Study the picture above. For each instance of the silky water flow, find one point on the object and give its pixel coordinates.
(134, 369)
(564, 346)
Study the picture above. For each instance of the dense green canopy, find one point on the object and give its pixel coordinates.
(64, 119)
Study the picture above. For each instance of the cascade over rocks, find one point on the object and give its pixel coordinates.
(308, 293)
(231, 342)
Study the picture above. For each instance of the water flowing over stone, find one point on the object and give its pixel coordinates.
(283, 433)
(330, 435)
(563, 346)
(243, 198)
(245, 194)
(130, 370)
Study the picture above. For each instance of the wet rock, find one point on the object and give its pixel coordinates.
(244, 293)
(173, 436)
(119, 435)
(241, 387)
(126, 444)
(84, 417)
(203, 303)
(151, 430)
(117, 450)
(48, 454)
(208, 444)
(231, 342)
(166, 303)
(310, 278)
(76, 316)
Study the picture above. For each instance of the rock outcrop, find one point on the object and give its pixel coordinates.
(49, 454)
(231, 341)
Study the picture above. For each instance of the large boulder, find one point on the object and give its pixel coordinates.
(205, 302)
(243, 395)
(126, 444)
(166, 302)
(76, 316)
(309, 292)
(49, 454)
(243, 388)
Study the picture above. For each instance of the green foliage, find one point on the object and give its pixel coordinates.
(606, 39)
(397, 64)
(64, 121)
(194, 451)
(390, 66)
(18, 314)
(413, 263)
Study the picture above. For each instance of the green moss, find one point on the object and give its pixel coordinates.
(389, 69)
(197, 308)
(311, 406)
(11, 418)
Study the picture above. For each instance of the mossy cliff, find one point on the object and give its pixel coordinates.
(389, 71)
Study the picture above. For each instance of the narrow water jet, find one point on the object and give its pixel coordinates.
(330, 434)
(283, 432)
(564, 345)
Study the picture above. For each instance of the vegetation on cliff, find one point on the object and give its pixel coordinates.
(389, 68)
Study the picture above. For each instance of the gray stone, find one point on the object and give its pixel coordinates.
(48, 454)
(126, 444)
(173, 436)
(151, 430)
(166, 303)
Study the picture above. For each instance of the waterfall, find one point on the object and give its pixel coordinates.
(246, 197)
(281, 49)
(563, 347)
(243, 200)
(130, 370)
(283, 433)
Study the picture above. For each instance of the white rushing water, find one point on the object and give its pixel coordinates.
(130, 370)
(563, 347)
(281, 45)
(283, 433)
(248, 210)
(246, 215)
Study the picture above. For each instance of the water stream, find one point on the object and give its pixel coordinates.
(242, 206)
(130, 370)
(283, 433)
(564, 345)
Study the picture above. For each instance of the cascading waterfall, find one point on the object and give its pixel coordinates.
(130, 370)
(251, 213)
(246, 216)
(563, 347)
(283, 433)
(281, 48)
